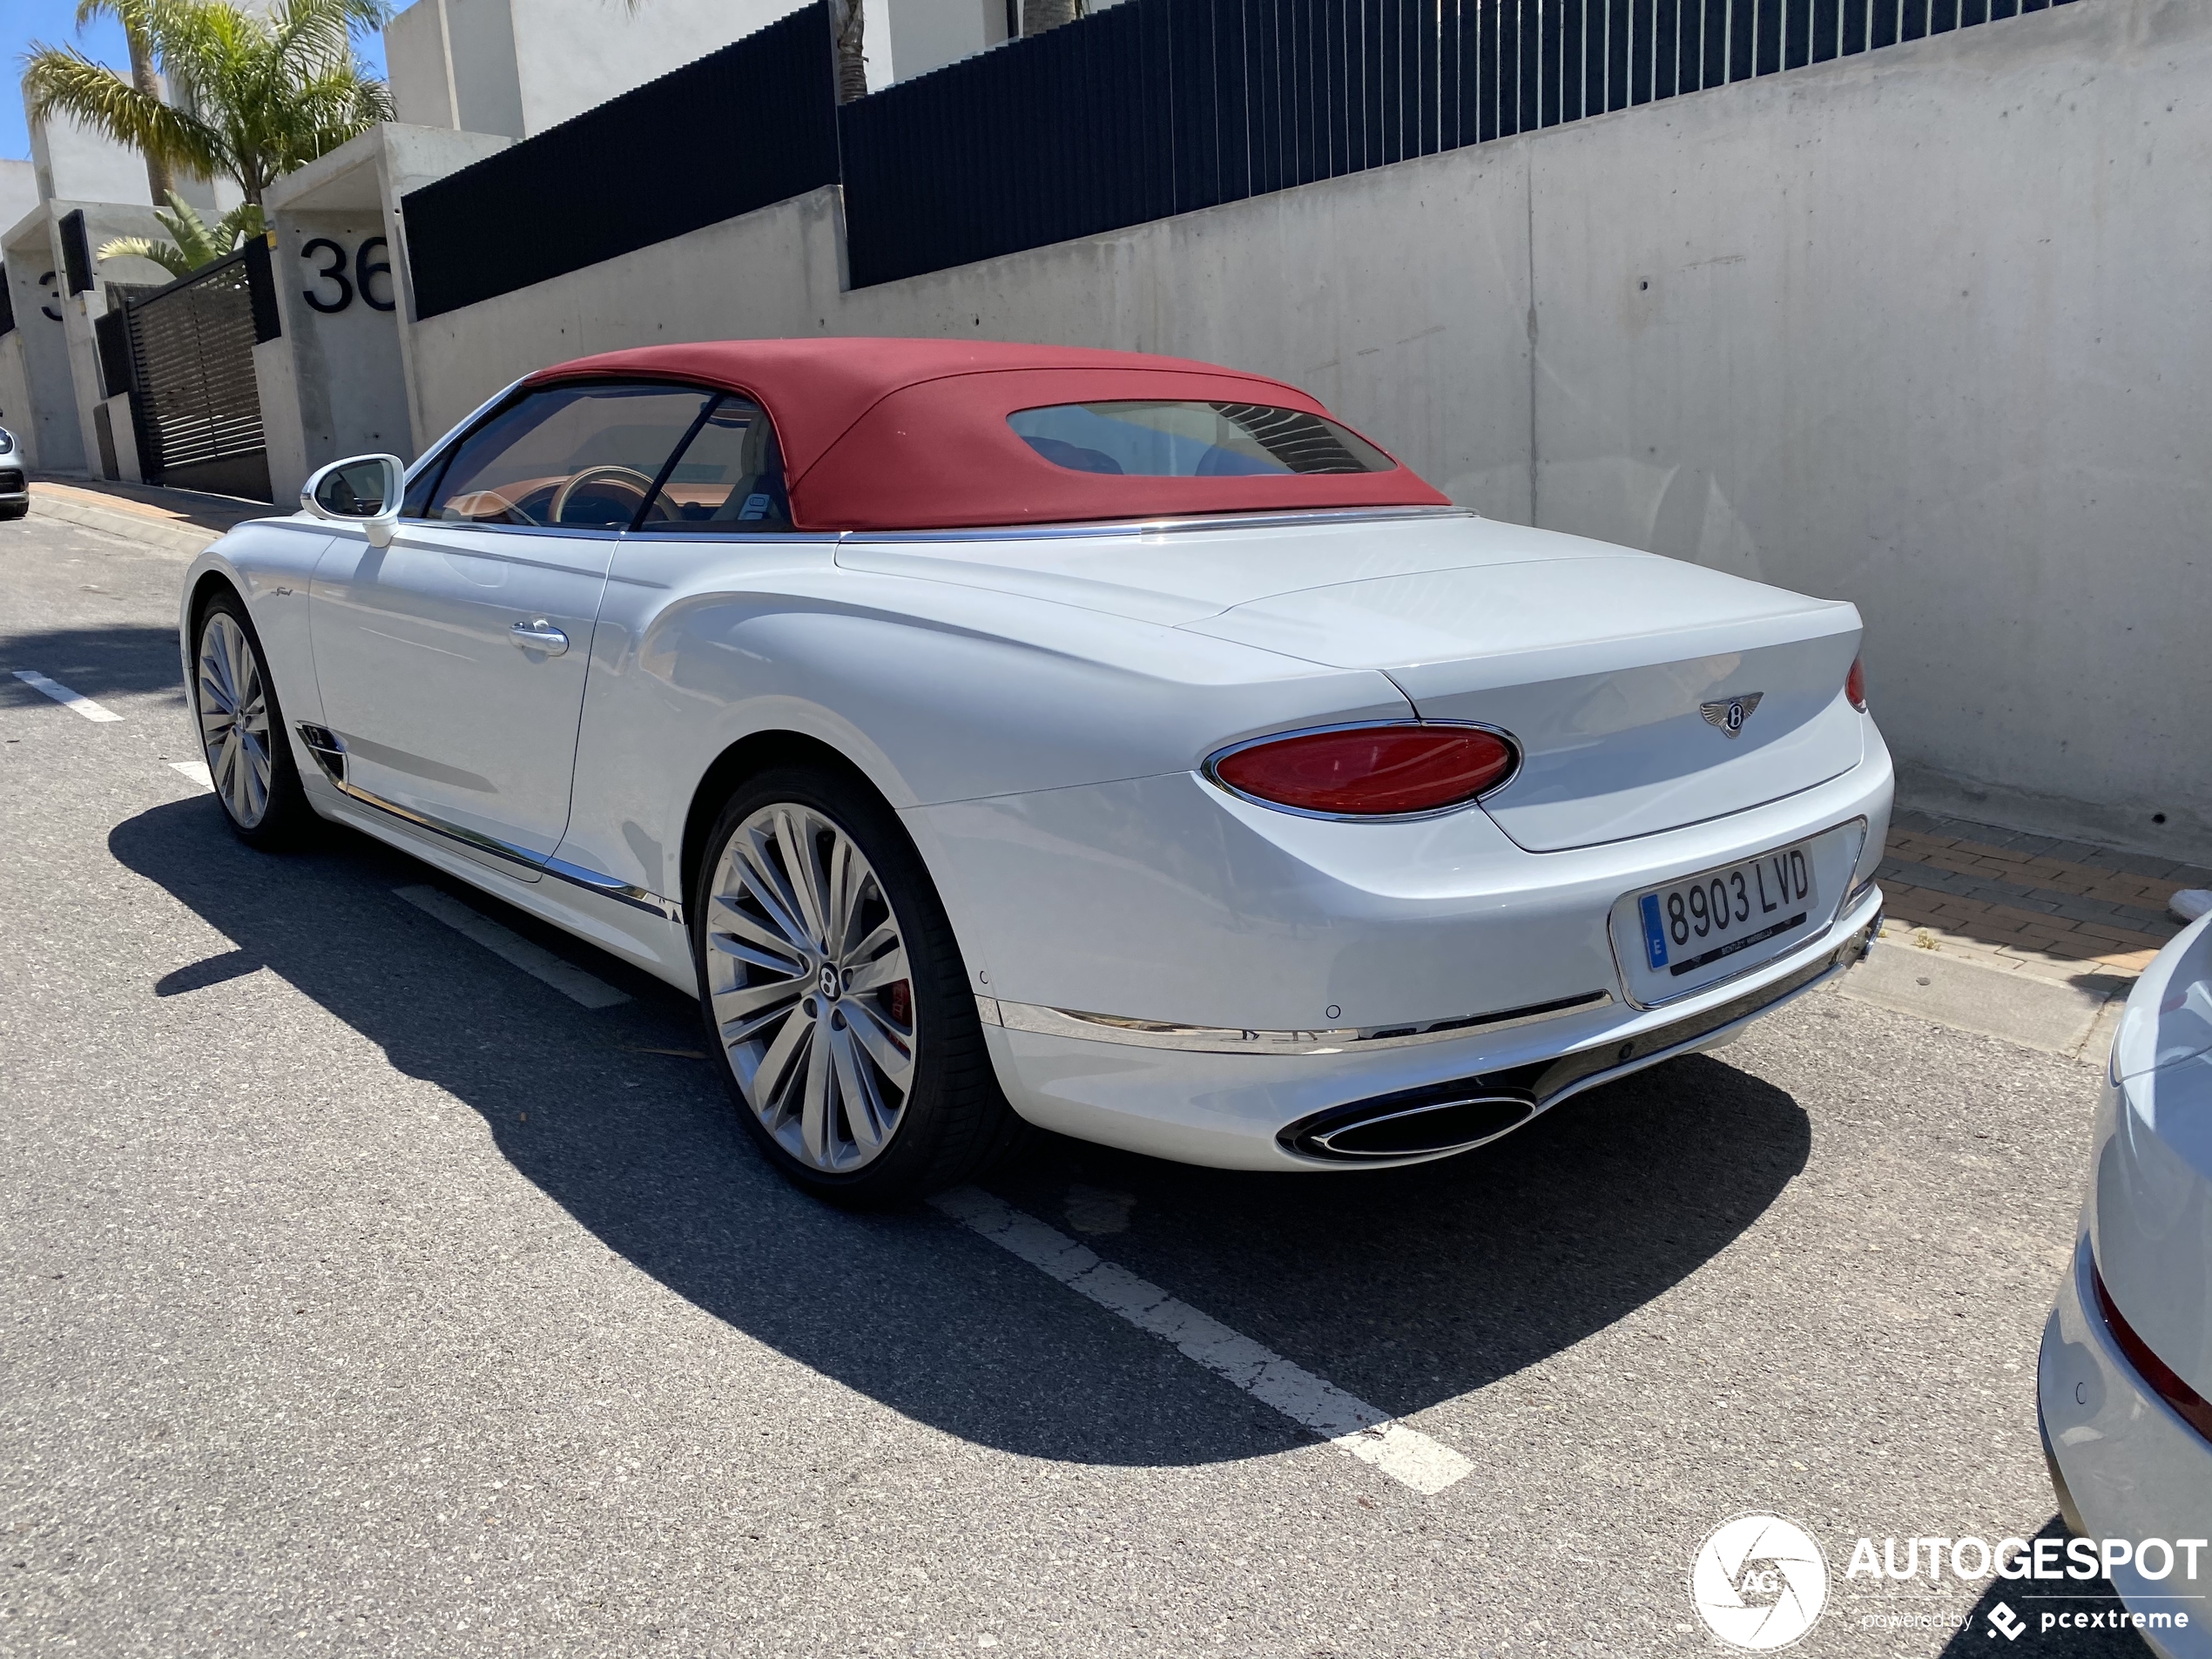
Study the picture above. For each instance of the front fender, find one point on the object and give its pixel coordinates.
(270, 563)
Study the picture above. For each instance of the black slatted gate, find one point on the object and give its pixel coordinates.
(195, 406)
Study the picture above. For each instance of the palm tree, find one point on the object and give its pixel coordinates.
(1037, 15)
(143, 77)
(847, 23)
(260, 94)
(197, 243)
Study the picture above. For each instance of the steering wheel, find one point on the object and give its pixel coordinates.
(627, 477)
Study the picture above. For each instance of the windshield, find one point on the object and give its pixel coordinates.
(1193, 440)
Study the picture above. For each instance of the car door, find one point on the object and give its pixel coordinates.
(452, 662)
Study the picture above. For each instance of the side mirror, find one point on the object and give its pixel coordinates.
(364, 490)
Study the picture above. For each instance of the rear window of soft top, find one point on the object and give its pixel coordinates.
(1190, 439)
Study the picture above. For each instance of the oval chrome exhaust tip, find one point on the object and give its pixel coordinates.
(1448, 1117)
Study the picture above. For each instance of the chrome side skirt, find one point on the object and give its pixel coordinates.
(329, 750)
(1216, 1039)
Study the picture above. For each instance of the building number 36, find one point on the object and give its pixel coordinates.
(364, 267)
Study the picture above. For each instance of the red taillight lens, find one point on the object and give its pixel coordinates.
(1855, 684)
(2189, 1405)
(1370, 771)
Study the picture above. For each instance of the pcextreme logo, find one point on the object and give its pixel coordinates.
(1759, 1582)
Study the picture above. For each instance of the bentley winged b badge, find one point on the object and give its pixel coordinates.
(1729, 713)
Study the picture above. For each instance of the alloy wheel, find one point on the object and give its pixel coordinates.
(234, 719)
(810, 993)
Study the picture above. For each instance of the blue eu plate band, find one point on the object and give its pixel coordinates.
(1654, 931)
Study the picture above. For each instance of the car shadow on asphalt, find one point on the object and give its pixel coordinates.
(1407, 1288)
(123, 660)
(2027, 1604)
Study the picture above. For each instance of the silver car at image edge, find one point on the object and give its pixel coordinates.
(1122, 744)
(2124, 1381)
(15, 480)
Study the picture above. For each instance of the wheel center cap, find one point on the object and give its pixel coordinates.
(827, 980)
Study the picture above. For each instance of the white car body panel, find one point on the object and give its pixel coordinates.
(417, 664)
(2131, 1466)
(1038, 707)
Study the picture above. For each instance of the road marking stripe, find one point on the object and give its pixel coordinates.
(70, 700)
(509, 947)
(1349, 1424)
(195, 770)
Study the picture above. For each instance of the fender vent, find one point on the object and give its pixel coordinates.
(329, 752)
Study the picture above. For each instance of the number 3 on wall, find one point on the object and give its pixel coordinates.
(364, 268)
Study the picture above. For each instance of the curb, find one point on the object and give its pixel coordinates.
(183, 541)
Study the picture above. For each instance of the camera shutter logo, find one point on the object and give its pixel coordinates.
(1759, 1582)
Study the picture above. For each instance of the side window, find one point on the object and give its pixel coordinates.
(581, 457)
(417, 503)
(729, 480)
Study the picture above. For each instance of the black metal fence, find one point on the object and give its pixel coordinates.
(1147, 109)
(1156, 107)
(195, 408)
(112, 334)
(752, 124)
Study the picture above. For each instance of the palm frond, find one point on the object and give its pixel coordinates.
(271, 90)
(167, 255)
(61, 80)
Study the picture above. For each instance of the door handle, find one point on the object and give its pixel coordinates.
(539, 635)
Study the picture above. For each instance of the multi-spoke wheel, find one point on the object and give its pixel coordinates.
(835, 996)
(242, 729)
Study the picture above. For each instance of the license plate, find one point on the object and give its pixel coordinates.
(1698, 924)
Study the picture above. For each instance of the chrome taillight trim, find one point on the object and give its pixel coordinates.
(1210, 769)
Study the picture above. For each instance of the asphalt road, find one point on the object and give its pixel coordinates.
(365, 1294)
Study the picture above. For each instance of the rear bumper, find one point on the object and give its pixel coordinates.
(1163, 899)
(2123, 1464)
(1246, 1112)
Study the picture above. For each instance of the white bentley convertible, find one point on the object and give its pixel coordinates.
(1118, 742)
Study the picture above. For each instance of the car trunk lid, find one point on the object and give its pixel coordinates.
(1616, 672)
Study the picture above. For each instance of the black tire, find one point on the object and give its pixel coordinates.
(954, 1121)
(286, 818)
(15, 510)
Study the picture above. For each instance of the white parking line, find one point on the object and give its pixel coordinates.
(70, 700)
(540, 964)
(1349, 1424)
(195, 770)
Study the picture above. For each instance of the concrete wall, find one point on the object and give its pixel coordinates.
(1913, 329)
(75, 164)
(15, 408)
(45, 421)
(18, 189)
(518, 67)
(1907, 330)
(335, 383)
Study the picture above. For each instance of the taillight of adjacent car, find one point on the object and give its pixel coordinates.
(1855, 684)
(1395, 770)
(2189, 1405)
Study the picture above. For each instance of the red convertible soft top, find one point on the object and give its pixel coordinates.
(881, 435)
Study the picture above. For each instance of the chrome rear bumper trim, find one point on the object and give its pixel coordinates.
(1214, 1039)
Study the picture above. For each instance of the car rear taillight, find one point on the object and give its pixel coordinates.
(1855, 684)
(1369, 770)
(2189, 1405)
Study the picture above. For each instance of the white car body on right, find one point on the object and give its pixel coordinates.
(2126, 1357)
